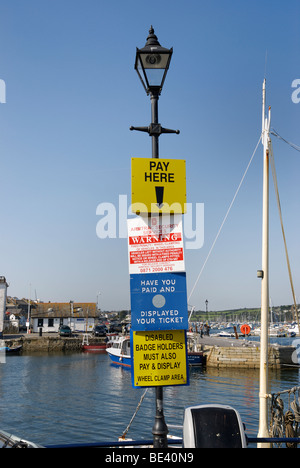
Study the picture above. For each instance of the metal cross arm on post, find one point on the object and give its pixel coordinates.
(155, 129)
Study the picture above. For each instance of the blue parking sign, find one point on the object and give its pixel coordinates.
(158, 301)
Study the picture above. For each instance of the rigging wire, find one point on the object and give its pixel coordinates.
(275, 133)
(225, 218)
(282, 229)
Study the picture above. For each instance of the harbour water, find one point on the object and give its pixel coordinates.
(80, 398)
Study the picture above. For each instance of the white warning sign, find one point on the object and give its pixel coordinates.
(155, 245)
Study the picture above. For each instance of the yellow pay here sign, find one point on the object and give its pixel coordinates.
(159, 358)
(158, 185)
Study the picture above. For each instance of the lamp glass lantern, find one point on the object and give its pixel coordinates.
(152, 64)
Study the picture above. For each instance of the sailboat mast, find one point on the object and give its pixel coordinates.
(263, 385)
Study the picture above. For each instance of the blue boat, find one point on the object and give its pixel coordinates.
(196, 358)
(118, 350)
(11, 350)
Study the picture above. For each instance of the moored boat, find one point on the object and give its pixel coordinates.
(8, 440)
(225, 334)
(98, 347)
(293, 330)
(196, 358)
(11, 349)
(118, 350)
(94, 348)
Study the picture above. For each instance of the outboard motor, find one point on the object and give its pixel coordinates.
(213, 426)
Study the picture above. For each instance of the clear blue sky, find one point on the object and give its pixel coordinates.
(65, 145)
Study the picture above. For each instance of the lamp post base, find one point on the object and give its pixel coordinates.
(160, 429)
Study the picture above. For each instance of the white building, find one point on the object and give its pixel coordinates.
(48, 317)
(52, 324)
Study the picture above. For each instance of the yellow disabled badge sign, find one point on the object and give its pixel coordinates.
(159, 358)
(158, 185)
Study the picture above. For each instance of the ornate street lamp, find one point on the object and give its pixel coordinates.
(152, 64)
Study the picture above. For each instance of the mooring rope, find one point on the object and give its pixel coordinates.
(134, 414)
(285, 423)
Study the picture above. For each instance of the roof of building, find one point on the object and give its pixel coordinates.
(64, 309)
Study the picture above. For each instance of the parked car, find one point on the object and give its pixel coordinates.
(65, 330)
(99, 330)
(115, 327)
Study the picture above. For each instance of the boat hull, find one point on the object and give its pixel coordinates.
(11, 351)
(94, 348)
(196, 359)
(8, 440)
(120, 360)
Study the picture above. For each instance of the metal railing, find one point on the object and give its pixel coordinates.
(177, 442)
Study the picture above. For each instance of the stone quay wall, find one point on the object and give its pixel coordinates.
(247, 357)
(49, 344)
(220, 353)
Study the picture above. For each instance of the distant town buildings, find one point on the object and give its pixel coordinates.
(49, 316)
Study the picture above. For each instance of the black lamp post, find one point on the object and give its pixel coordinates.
(152, 64)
